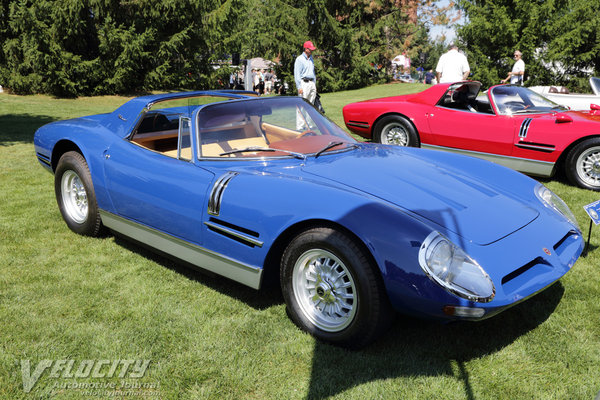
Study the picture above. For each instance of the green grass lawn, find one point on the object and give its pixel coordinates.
(64, 296)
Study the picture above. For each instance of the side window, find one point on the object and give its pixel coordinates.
(184, 147)
(157, 131)
(164, 127)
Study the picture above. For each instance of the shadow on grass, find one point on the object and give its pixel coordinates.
(415, 348)
(411, 348)
(256, 299)
(19, 128)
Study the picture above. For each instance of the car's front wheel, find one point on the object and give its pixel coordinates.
(396, 130)
(75, 195)
(332, 290)
(582, 165)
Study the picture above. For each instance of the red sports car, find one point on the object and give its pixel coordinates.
(510, 125)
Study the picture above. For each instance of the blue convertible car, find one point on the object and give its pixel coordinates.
(249, 187)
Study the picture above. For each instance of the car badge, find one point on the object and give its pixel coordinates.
(547, 251)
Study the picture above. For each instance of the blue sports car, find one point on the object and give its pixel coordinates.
(255, 187)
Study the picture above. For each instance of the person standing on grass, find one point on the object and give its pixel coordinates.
(452, 66)
(304, 73)
(518, 70)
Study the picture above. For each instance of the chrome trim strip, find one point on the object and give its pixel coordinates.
(527, 166)
(358, 124)
(42, 158)
(216, 194)
(235, 233)
(196, 255)
(545, 149)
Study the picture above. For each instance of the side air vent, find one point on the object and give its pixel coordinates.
(216, 194)
(359, 124)
(524, 127)
(545, 148)
(237, 233)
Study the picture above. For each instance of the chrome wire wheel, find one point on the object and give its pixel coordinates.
(395, 133)
(74, 197)
(325, 290)
(588, 166)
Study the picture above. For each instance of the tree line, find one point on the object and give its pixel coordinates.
(92, 47)
(559, 39)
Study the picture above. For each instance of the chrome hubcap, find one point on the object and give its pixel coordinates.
(324, 290)
(74, 197)
(394, 133)
(588, 166)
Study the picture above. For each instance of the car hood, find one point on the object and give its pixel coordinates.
(444, 194)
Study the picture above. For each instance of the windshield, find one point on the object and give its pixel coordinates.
(266, 127)
(519, 100)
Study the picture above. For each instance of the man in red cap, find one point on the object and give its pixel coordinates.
(304, 73)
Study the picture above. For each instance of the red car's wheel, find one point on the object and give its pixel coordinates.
(582, 165)
(395, 129)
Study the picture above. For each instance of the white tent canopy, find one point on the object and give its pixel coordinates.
(261, 63)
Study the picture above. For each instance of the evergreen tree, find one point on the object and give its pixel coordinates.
(558, 38)
(69, 48)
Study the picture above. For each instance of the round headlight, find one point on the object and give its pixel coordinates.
(552, 201)
(450, 267)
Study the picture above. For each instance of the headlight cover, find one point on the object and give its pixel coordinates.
(450, 267)
(552, 201)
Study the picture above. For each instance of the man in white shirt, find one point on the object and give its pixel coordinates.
(452, 66)
(518, 70)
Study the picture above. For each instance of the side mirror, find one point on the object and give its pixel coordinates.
(563, 118)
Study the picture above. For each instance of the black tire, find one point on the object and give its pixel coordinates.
(582, 165)
(351, 310)
(75, 195)
(397, 130)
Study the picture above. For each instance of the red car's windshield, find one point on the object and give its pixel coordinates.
(511, 99)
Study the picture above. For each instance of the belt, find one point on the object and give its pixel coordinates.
(307, 79)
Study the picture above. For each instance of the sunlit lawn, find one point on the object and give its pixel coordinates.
(63, 296)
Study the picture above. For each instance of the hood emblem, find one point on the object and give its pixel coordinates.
(547, 251)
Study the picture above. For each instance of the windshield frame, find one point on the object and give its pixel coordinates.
(527, 97)
(322, 123)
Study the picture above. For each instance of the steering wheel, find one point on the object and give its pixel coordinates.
(308, 132)
(515, 105)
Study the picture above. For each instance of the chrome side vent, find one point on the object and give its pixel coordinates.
(524, 127)
(216, 194)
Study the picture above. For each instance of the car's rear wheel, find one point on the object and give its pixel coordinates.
(582, 165)
(75, 195)
(396, 130)
(332, 290)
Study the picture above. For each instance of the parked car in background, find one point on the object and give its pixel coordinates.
(510, 125)
(575, 101)
(251, 188)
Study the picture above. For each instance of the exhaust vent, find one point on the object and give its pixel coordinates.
(216, 194)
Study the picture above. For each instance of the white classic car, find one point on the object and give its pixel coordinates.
(575, 101)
